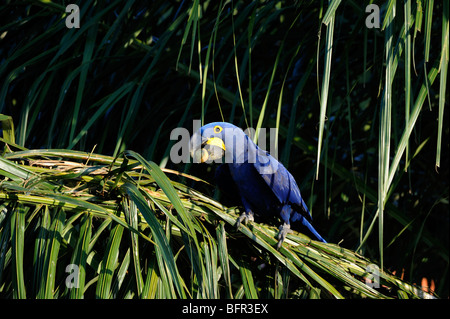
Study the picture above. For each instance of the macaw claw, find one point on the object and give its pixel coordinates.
(245, 217)
(284, 230)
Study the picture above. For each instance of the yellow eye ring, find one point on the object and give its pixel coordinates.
(217, 129)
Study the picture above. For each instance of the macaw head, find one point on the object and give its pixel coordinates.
(214, 140)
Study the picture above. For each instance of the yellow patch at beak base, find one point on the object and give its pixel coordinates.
(216, 141)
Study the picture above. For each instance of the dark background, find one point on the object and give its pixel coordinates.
(130, 75)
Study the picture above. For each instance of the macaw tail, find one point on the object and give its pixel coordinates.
(289, 215)
(312, 230)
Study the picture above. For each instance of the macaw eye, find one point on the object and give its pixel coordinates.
(217, 129)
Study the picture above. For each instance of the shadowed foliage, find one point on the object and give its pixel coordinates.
(359, 118)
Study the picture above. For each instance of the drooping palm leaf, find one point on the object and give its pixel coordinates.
(189, 248)
(135, 70)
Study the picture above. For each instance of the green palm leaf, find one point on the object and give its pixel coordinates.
(80, 209)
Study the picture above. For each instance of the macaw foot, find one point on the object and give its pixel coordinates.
(246, 217)
(284, 230)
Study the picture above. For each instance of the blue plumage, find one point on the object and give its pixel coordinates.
(264, 185)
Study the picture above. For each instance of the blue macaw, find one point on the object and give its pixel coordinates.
(265, 186)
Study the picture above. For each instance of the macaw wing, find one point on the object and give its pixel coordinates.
(282, 183)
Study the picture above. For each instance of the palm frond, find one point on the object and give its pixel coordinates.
(340, 96)
(188, 238)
